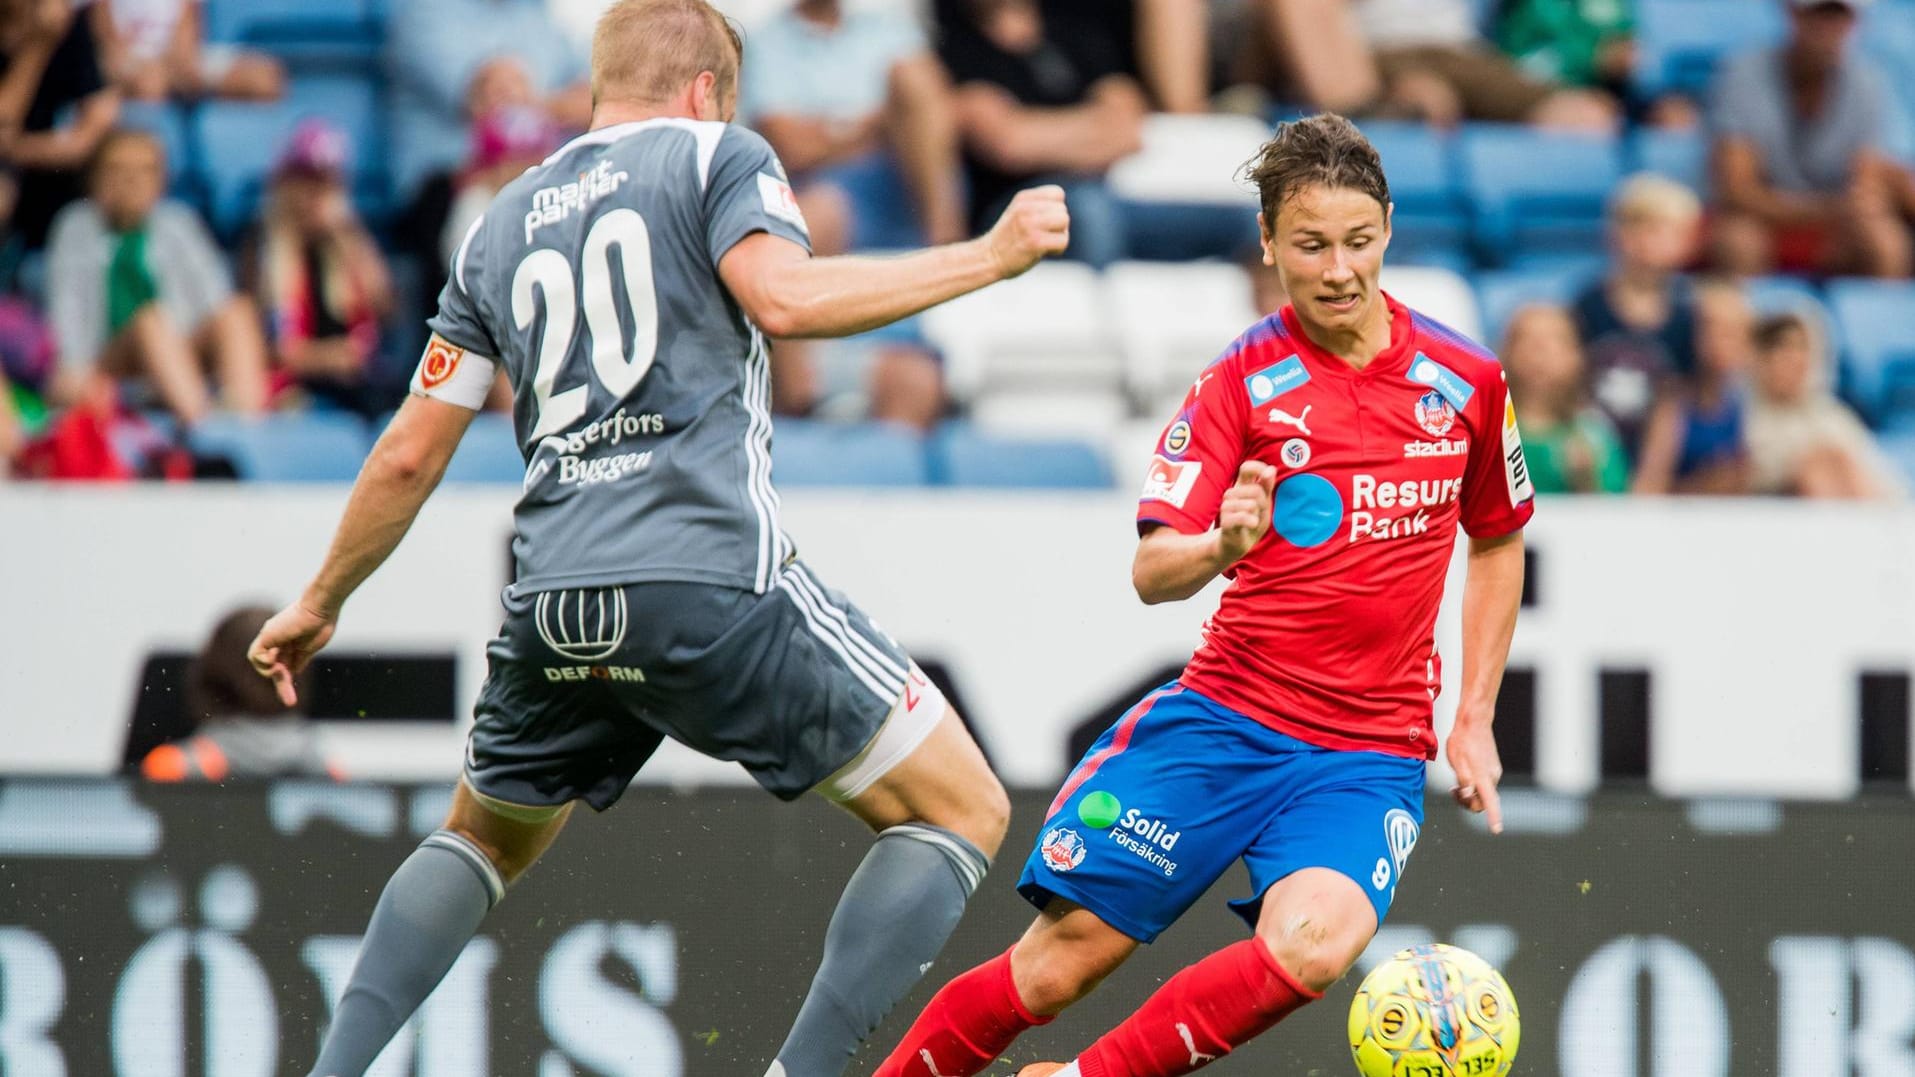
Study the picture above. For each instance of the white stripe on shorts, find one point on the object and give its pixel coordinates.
(811, 585)
(886, 691)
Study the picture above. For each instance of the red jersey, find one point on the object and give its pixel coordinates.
(1326, 630)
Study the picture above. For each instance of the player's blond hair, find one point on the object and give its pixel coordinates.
(1648, 196)
(645, 51)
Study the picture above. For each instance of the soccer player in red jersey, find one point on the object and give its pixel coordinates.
(1323, 464)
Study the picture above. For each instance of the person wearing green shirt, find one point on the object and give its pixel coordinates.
(1571, 446)
(1576, 42)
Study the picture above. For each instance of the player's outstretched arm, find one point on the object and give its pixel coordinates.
(1492, 590)
(404, 468)
(1171, 566)
(788, 293)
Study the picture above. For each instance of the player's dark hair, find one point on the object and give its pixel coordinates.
(1324, 150)
(1770, 330)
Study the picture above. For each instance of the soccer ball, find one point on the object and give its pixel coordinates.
(1434, 1011)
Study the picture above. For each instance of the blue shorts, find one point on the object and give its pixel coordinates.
(1183, 786)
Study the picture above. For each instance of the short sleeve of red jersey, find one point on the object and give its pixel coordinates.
(1199, 453)
(1498, 497)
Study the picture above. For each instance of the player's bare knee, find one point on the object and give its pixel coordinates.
(1316, 949)
(1051, 979)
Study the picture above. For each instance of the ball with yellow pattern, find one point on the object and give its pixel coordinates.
(1434, 1011)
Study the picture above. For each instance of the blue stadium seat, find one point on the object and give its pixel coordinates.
(336, 35)
(318, 447)
(1679, 155)
(238, 144)
(1536, 191)
(963, 455)
(1899, 444)
(1682, 41)
(1879, 343)
(1431, 217)
(808, 453)
(1502, 294)
(489, 452)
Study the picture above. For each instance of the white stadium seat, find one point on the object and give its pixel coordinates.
(1089, 411)
(1440, 293)
(1191, 159)
(1043, 330)
(1172, 319)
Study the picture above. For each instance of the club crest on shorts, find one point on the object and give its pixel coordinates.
(583, 625)
(1062, 849)
(1435, 414)
(1400, 828)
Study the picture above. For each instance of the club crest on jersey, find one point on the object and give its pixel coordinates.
(1273, 381)
(1062, 849)
(1177, 438)
(780, 201)
(1435, 414)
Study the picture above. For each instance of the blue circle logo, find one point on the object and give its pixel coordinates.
(1307, 510)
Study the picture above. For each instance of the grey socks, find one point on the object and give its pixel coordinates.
(897, 910)
(430, 909)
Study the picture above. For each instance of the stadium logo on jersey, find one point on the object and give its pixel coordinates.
(1435, 414)
(1427, 371)
(1062, 849)
(1515, 465)
(780, 202)
(1273, 381)
(1296, 452)
(1170, 481)
(618, 674)
(583, 625)
(1413, 450)
(440, 363)
(1177, 438)
(551, 205)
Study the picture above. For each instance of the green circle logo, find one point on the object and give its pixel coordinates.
(1099, 811)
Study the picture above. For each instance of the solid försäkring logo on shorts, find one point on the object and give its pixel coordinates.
(583, 625)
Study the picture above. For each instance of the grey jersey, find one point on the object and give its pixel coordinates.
(641, 394)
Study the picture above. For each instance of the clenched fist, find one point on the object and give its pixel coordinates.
(1036, 224)
(1244, 517)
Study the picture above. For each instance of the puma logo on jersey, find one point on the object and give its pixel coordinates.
(1301, 422)
(1197, 1058)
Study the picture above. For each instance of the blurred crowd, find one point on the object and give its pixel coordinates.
(126, 318)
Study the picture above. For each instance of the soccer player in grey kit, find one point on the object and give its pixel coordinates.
(626, 285)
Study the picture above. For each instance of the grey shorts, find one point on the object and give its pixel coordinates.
(584, 685)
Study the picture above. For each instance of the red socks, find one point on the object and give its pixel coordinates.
(1199, 1015)
(967, 1025)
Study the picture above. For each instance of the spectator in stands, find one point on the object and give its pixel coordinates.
(1695, 442)
(1588, 44)
(889, 376)
(1637, 322)
(452, 61)
(55, 108)
(154, 50)
(1571, 445)
(317, 271)
(1801, 439)
(1040, 102)
(1802, 179)
(1417, 58)
(1051, 94)
(860, 112)
(138, 291)
(241, 729)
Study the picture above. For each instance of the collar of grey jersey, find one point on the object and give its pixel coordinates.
(706, 132)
